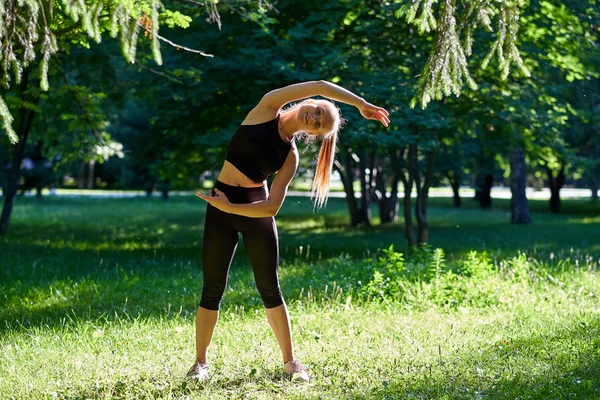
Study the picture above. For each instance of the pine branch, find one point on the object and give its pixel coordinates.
(68, 29)
(445, 71)
(446, 68)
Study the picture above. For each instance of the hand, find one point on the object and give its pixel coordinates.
(369, 111)
(219, 200)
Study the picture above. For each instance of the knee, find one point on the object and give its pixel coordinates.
(271, 297)
(211, 298)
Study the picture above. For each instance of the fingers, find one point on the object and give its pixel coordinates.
(202, 196)
(383, 110)
(379, 114)
(220, 194)
(207, 198)
(383, 117)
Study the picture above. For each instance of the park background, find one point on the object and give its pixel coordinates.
(445, 265)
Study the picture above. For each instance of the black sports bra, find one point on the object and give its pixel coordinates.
(257, 150)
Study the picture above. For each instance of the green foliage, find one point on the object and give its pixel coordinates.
(175, 18)
(446, 70)
(424, 279)
(34, 30)
(7, 120)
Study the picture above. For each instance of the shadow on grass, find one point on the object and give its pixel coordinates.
(159, 387)
(143, 256)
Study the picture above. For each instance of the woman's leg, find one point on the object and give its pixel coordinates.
(206, 320)
(279, 320)
(262, 246)
(218, 247)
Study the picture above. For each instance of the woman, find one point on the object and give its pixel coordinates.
(240, 202)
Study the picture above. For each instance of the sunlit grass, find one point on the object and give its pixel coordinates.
(97, 300)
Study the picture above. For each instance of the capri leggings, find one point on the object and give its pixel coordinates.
(220, 242)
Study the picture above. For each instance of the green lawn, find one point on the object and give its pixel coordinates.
(97, 299)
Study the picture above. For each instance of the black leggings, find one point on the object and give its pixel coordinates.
(220, 242)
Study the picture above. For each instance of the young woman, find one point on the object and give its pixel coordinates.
(241, 203)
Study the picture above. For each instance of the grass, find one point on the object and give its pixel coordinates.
(97, 299)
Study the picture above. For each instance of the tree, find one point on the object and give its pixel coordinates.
(568, 34)
(33, 31)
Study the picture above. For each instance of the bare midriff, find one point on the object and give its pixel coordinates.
(232, 176)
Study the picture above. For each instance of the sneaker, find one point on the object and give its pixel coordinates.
(198, 372)
(295, 371)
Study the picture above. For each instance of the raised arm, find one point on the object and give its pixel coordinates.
(278, 98)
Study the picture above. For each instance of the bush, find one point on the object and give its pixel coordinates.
(423, 279)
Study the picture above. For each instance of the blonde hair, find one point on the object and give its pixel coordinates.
(322, 178)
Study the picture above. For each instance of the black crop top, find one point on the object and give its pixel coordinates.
(257, 150)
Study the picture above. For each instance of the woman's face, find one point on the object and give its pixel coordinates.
(315, 118)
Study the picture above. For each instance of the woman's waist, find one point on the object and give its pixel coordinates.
(232, 176)
(239, 188)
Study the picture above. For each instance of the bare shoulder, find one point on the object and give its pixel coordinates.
(259, 114)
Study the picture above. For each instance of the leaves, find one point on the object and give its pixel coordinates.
(25, 22)
(446, 70)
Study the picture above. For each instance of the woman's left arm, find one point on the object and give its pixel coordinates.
(264, 208)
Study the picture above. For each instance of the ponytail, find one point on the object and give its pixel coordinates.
(322, 179)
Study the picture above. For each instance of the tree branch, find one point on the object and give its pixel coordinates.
(64, 31)
(159, 73)
(177, 46)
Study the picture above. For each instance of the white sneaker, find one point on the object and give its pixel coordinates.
(295, 371)
(198, 372)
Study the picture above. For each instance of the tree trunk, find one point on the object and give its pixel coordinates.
(518, 204)
(392, 203)
(26, 116)
(89, 184)
(365, 199)
(372, 162)
(407, 181)
(25, 123)
(483, 190)
(81, 176)
(594, 188)
(165, 187)
(388, 205)
(383, 202)
(422, 198)
(454, 179)
(347, 175)
(556, 183)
